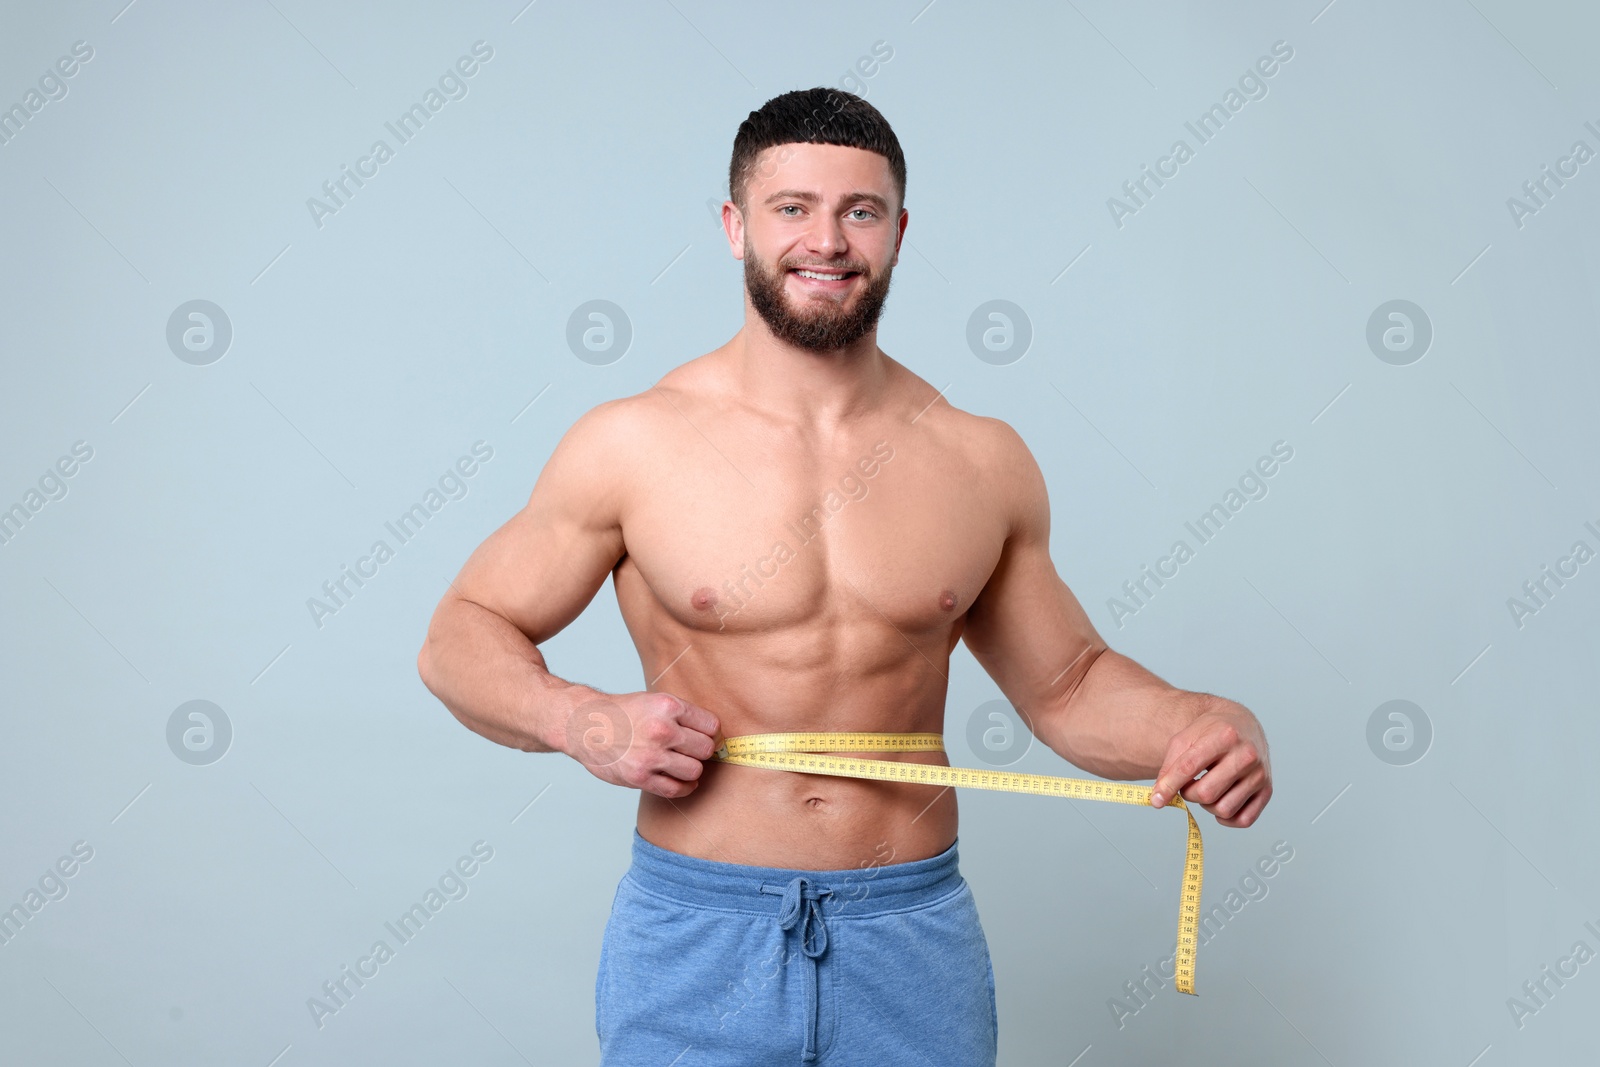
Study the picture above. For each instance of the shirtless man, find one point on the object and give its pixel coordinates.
(799, 530)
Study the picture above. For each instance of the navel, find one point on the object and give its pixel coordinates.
(704, 598)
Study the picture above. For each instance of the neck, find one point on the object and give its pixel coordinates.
(803, 385)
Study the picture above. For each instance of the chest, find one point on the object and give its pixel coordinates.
(889, 535)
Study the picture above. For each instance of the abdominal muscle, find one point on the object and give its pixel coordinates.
(771, 818)
(822, 662)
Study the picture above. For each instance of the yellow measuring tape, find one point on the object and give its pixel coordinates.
(798, 752)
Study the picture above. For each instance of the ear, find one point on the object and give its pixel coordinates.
(733, 227)
(900, 235)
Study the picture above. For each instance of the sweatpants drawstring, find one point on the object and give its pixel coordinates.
(800, 909)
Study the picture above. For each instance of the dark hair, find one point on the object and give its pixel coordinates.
(813, 116)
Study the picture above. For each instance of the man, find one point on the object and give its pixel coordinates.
(799, 530)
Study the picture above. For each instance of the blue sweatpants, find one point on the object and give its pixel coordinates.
(708, 964)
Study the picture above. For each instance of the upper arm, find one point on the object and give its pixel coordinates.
(541, 568)
(1026, 628)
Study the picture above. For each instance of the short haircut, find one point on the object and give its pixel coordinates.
(813, 116)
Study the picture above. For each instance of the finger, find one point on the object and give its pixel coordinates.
(1247, 815)
(1232, 768)
(693, 743)
(1179, 769)
(698, 719)
(676, 765)
(1233, 800)
(665, 786)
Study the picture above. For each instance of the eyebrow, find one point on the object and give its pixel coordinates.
(812, 198)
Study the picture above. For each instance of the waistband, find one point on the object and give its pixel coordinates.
(858, 892)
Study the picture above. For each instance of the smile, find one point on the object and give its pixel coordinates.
(828, 279)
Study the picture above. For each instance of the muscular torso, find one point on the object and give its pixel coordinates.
(786, 579)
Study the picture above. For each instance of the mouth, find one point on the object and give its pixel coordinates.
(823, 278)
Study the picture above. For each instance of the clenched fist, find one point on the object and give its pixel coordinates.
(651, 741)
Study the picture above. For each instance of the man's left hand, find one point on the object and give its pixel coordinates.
(1226, 741)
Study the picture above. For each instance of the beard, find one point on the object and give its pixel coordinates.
(822, 323)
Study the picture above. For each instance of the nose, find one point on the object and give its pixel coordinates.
(825, 238)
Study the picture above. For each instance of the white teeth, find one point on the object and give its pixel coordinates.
(819, 276)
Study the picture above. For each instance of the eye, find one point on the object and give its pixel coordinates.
(863, 211)
(786, 207)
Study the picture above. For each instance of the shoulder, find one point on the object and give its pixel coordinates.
(990, 454)
(618, 445)
(623, 425)
(1008, 466)
(991, 447)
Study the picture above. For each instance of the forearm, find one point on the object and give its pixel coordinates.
(494, 680)
(1117, 720)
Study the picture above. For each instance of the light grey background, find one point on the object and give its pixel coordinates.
(431, 311)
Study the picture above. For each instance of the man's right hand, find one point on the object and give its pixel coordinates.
(651, 741)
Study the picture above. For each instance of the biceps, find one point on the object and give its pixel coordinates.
(1029, 631)
(541, 569)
